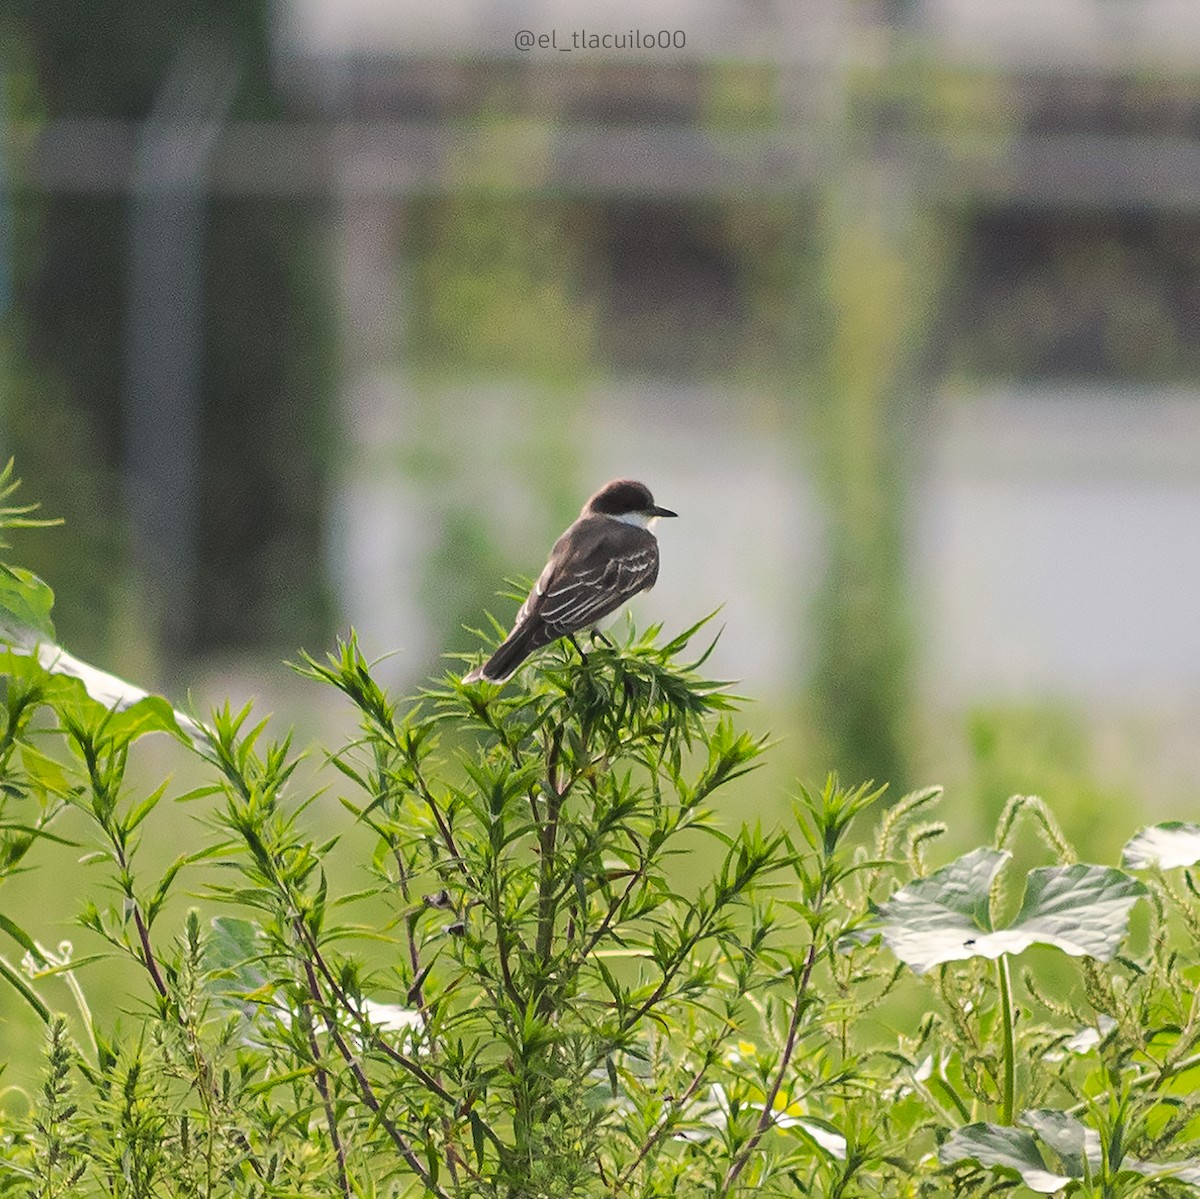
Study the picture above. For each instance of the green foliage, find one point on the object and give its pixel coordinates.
(508, 977)
(528, 314)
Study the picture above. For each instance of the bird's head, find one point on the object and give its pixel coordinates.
(626, 500)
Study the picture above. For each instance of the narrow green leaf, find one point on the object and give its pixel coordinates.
(18, 983)
(143, 809)
(477, 1138)
(22, 938)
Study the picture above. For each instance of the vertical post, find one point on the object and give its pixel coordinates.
(164, 337)
(378, 542)
(880, 265)
(6, 220)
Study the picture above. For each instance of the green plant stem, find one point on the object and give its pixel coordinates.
(316, 960)
(72, 984)
(548, 843)
(1009, 1100)
(321, 1078)
(767, 1118)
(673, 1107)
(364, 1088)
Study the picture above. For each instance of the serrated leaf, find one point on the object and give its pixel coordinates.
(1186, 1172)
(1168, 845)
(1010, 1150)
(233, 953)
(1082, 910)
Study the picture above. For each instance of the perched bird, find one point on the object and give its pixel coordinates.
(604, 558)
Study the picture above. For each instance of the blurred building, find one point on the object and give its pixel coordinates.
(1049, 456)
(1055, 520)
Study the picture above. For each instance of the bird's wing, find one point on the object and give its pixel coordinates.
(534, 599)
(572, 600)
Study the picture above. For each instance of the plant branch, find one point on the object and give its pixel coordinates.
(547, 841)
(148, 958)
(1009, 1101)
(365, 1090)
(664, 1125)
(767, 1118)
(322, 1081)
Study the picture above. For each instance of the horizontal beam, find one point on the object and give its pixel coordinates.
(402, 159)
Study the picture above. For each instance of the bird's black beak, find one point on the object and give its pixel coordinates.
(656, 511)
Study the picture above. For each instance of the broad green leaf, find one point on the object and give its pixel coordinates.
(1186, 1172)
(152, 714)
(43, 770)
(1082, 910)
(943, 917)
(1077, 1146)
(25, 605)
(1010, 1150)
(232, 943)
(823, 1134)
(1084, 1041)
(1166, 845)
(391, 1017)
(137, 710)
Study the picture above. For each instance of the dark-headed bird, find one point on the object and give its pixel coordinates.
(604, 558)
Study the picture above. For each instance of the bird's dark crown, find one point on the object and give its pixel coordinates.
(620, 497)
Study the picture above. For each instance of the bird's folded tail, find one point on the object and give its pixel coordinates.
(519, 644)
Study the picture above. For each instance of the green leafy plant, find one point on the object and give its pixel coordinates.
(506, 972)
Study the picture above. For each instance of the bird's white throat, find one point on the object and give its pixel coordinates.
(641, 520)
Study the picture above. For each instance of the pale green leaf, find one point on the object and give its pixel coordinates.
(1077, 1146)
(1166, 845)
(1012, 1151)
(943, 917)
(1082, 910)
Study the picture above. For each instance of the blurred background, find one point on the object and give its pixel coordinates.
(330, 313)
